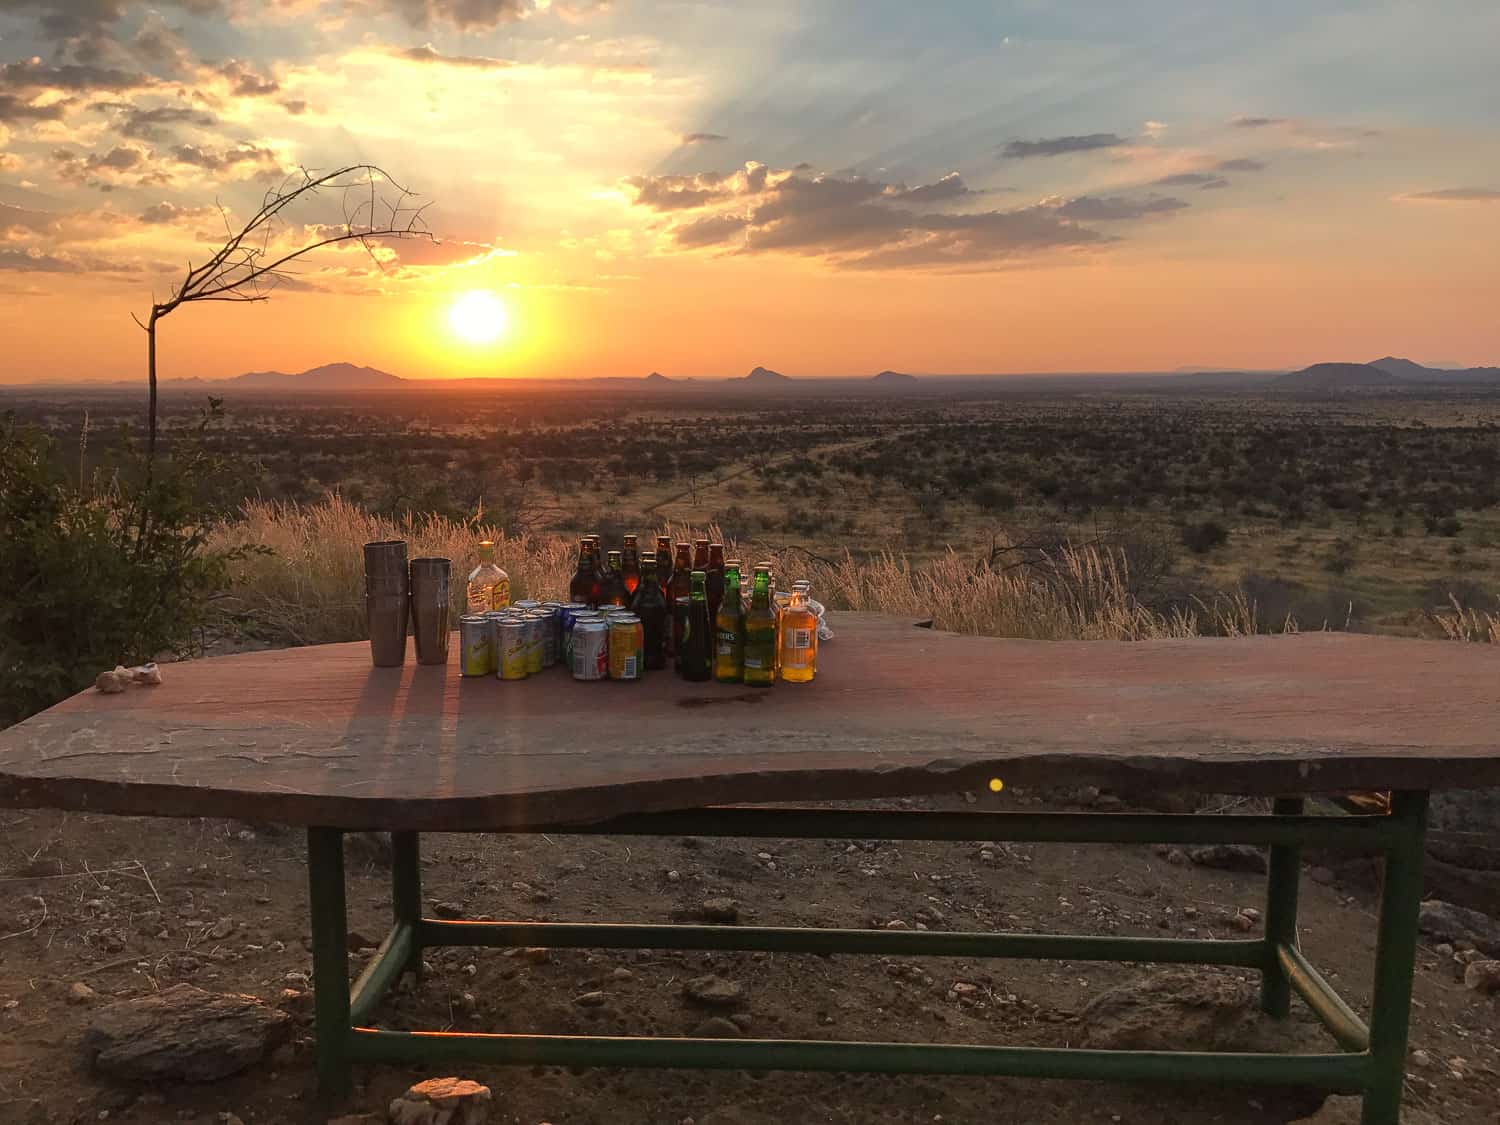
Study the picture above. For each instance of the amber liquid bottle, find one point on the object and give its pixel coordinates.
(797, 640)
(700, 555)
(678, 593)
(760, 632)
(696, 659)
(583, 587)
(715, 572)
(630, 572)
(664, 563)
(614, 583)
(650, 605)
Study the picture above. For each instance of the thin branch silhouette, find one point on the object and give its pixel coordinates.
(374, 205)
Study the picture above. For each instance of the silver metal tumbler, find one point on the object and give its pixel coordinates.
(386, 602)
(430, 608)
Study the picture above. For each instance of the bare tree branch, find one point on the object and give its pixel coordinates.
(244, 268)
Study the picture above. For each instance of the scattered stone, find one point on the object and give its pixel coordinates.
(359, 942)
(896, 924)
(183, 1034)
(447, 910)
(1443, 949)
(1321, 875)
(1175, 1009)
(720, 910)
(1230, 857)
(443, 1101)
(1447, 922)
(622, 974)
(595, 999)
(1178, 858)
(1483, 976)
(717, 1027)
(1249, 912)
(80, 993)
(535, 955)
(1242, 922)
(713, 991)
(673, 876)
(221, 929)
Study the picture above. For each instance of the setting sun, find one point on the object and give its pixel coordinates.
(478, 317)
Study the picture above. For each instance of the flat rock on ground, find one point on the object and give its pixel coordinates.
(443, 1101)
(1447, 922)
(183, 1034)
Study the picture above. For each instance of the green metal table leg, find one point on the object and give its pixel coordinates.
(325, 884)
(406, 891)
(1395, 960)
(1283, 868)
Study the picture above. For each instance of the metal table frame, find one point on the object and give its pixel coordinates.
(1371, 1062)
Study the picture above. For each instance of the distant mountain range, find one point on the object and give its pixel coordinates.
(1385, 375)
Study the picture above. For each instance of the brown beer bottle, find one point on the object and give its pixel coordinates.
(650, 605)
(679, 590)
(630, 572)
(614, 583)
(581, 587)
(715, 574)
(664, 563)
(700, 555)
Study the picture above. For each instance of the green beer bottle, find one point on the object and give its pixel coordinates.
(729, 627)
(760, 631)
(697, 654)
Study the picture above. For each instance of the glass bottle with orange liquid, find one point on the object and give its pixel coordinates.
(797, 638)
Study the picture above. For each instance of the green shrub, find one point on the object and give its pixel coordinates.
(110, 569)
(1203, 536)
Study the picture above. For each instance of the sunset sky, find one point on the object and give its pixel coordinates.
(822, 188)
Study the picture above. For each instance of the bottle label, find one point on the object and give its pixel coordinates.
(753, 662)
(799, 638)
(727, 643)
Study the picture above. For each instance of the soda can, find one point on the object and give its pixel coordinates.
(476, 648)
(590, 650)
(551, 628)
(626, 647)
(510, 645)
(525, 605)
(535, 625)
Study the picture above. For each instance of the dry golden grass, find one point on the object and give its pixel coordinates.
(1469, 624)
(305, 586)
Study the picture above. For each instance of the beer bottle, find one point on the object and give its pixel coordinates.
(715, 574)
(744, 591)
(797, 638)
(729, 631)
(700, 555)
(614, 583)
(630, 573)
(650, 605)
(664, 563)
(697, 643)
(760, 631)
(581, 587)
(678, 594)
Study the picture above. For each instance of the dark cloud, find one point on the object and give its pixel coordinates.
(296, 107)
(1240, 164)
(165, 212)
(862, 223)
(99, 167)
(703, 138)
(463, 14)
(427, 53)
(152, 124)
(1201, 180)
(1247, 121)
(1058, 146)
(1114, 208)
(32, 76)
(13, 108)
(69, 19)
(246, 83)
(13, 218)
(223, 160)
(1458, 195)
(33, 260)
(949, 187)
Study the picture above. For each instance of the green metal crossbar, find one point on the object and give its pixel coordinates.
(1372, 1065)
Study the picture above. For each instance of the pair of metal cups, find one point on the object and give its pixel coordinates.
(397, 591)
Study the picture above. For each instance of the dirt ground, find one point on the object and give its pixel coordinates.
(127, 906)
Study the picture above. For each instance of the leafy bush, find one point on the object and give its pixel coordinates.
(1203, 536)
(113, 568)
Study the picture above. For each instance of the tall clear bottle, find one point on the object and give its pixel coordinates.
(797, 638)
(489, 586)
(760, 631)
